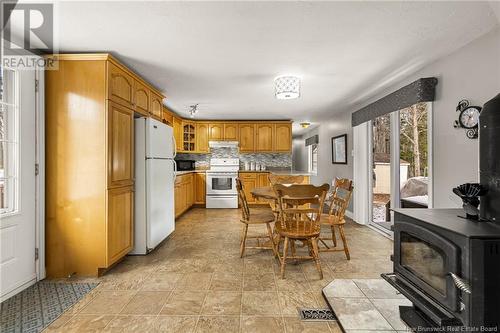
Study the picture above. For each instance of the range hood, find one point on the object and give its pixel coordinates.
(223, 144)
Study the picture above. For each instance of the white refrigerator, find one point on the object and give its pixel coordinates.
(155, 168)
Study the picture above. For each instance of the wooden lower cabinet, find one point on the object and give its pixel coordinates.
(200, 187)
(184, 193)
(249, 181)
(120, 224)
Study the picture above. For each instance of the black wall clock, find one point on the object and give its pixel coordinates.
(468, 118)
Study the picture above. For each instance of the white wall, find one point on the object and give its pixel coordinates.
(473, 73)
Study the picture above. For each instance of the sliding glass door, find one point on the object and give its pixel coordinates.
(399, 163)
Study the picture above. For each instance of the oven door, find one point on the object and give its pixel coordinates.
(221, 183)
(426, 260)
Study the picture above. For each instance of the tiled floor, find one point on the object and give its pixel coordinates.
(196, 281)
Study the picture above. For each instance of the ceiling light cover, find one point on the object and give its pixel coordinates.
(287, 87)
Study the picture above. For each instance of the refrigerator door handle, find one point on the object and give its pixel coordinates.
(175, 169)
(175, 146)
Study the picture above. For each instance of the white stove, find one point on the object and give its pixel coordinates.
(221, 183)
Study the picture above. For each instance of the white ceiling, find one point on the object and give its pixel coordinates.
(225, 55)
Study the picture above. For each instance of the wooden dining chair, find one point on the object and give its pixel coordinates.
(342, 192)
(261, 217)
(300, 209)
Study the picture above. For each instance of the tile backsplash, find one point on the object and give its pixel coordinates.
(270, 160)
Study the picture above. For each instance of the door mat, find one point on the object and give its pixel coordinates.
(36, 307)
(317, 315)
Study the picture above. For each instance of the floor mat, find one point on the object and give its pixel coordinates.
(36, 307)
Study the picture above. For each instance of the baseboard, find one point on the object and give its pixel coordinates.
(349, 214)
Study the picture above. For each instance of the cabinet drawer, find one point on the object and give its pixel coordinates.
(248, 175)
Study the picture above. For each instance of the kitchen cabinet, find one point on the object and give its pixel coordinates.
(200, 188)
(142, 97)
(262, 181)
(184, 193)
(202, 138)
(216, 132)
(120, 86)
(231, 131)
(247, 137)
(90, 176)
(249, 181)
(283, 138)
(264, 137)
(168, 117)
(188, 136)
(120, 223)
(156, 106)
(177, 122)
(120, 145)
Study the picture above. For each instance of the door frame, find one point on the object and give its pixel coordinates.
(40, 178)
(395, 161)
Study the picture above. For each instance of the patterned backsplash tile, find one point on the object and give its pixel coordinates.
(270, 160)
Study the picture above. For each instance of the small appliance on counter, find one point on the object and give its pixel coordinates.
(185, 165)
(221, 183)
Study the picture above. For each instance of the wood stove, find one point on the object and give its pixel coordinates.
(449, 267)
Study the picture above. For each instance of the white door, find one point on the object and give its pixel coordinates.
(159, 139)
(159, 200)
(17, 181)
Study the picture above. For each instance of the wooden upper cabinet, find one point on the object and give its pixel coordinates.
(247, 137)
(120, 86)
(231, 132)
(120, 223)
(142, 98)
(264, 137)
(156, 106)
(216, 132)
(283, 137)
(202, 138)
(177, 124)
(167, 117)
(120, 146)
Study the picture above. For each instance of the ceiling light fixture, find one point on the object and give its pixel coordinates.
(193, 109)
(305, 125)
(287, 87)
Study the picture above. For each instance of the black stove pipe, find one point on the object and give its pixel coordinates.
(489, 159)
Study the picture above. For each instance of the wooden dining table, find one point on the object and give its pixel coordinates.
(264, 192)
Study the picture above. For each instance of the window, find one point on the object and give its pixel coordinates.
(9, 138)
(313, 158)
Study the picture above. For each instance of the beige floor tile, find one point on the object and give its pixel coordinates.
(222, 303)
(295, 325)
(161, 281)
(146, 303)
(184, 303)
(225, 281)
(260, 303)
(255, 324)
(290, 301)
(295, 281)
(108, 302)
(194, 281)
(131, 324)
(211, 324)
(87, 323)
(175, 324)
(259, 282)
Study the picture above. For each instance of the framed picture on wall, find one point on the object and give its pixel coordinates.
(339, 149)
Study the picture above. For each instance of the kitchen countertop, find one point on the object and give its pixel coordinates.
(276, 172)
